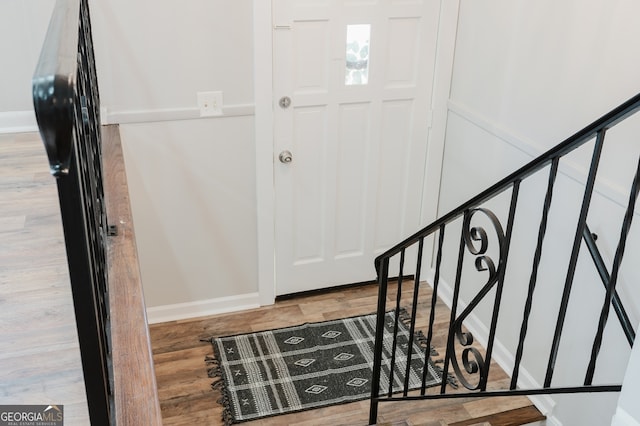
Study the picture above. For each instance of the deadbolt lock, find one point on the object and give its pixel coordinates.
(284, 102)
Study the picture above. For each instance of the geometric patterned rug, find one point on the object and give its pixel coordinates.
(309, 366)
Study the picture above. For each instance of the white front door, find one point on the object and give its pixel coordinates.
(352, 86)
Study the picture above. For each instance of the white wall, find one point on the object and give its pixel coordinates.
(628, 413)
(192, 180)
(156, 55)
(526, 76)
(23, 25)
(194, 207)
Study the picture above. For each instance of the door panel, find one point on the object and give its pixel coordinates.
(393, 190)
(352, 174)
(309, 145)
(357, 130)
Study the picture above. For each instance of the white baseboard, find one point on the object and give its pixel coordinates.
(622, 418)
(551, 419)
(18, 122)
(202, 308)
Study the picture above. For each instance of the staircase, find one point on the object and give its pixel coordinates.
(516, 417)
(491, 265)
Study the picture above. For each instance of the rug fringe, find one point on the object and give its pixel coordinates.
(420, 338)
(451, 379)
(225, 401)
(211, 360)
(215, 372)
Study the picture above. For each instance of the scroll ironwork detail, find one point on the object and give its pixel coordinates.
(477, 243)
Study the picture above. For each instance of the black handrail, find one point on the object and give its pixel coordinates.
(474, 240)
(67, 106)
(571, 143)
(54, 84)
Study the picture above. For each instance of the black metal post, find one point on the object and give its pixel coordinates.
(383, 275)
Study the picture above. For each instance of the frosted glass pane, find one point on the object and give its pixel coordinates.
(357, 58)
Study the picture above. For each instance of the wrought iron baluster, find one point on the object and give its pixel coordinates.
(454, 306)
(502, 266)
(395, 324)
(432, 312)
(483, 262)
(414, 309)
(582, 220)
(553, 172)
(613, 280)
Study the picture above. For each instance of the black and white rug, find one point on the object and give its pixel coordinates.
(309, 366)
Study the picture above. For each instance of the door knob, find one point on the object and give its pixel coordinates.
(285, 157)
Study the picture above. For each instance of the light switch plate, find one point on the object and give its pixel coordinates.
(210, 103)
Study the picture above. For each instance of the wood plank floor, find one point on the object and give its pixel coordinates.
(187, 399)
(39, 353)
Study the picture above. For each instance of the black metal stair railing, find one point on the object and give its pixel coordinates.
(67, 107)
(477, 223)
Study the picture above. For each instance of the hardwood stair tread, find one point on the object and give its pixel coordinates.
(515, 417)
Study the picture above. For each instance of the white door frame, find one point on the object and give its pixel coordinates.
(445, 53)
(265, 190)
(263, 94)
